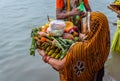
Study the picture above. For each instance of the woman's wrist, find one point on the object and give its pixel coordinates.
(68, 14)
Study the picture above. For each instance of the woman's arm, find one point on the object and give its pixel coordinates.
(61, 14)
(56, 64)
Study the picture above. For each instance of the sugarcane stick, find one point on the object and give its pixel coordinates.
(34, 32)
(33, 47)
(63, 44)
(60, 46)
(57, 43)
(63, 54)
(33, 44)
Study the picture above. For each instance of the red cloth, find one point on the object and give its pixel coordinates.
(86, 1)
(59, 4)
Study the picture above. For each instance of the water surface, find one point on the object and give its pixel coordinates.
(17, 17)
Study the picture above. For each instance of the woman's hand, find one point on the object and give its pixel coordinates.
(41, 33)
(56, 64)
(74, 12)
(83, 14)
(45, 58)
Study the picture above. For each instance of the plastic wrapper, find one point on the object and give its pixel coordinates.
(56, 27)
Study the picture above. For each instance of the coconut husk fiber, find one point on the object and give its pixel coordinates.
(84, 59)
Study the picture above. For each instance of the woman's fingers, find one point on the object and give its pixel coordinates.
(45, 58)
(42, 33)
(41, 52)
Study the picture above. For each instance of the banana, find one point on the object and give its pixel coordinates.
(57, 50)
(50, 52)
(57, 56)
(53, 55)
(49, 43)
(43, 44)
(48, 48)
(60, 52)
(46, 45)
(52, 47)
(44, 48)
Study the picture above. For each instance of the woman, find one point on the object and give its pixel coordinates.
(85, 59)
(68, 10)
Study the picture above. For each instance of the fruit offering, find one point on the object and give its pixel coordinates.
(55, 45)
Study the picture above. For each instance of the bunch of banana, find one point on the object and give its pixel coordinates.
(52, 51)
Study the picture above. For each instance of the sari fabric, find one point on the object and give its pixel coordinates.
(85, 58)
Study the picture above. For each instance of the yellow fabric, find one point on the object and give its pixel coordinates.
(116, 40)
(90, 54)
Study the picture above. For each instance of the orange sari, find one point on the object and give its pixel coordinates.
(84, 59)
